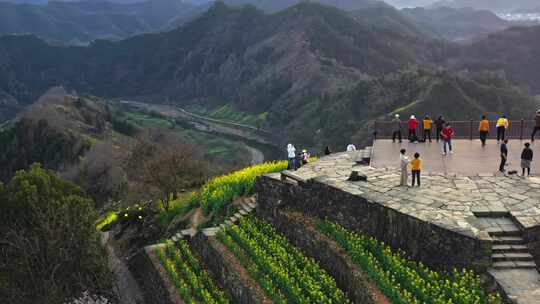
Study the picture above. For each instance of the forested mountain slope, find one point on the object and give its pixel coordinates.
(83, 22)
(515, 53)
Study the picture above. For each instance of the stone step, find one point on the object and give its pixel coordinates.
(243, 212)
(514, 265)
(507, 232)
(245, 207)
(485, 212)
(510, 248)
(508, 240)
(252, 204)
(512, 256)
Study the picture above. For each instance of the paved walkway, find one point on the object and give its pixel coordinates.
(450, 202)
(469, 157)
(521, 285)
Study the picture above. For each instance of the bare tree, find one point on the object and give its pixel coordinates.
(164, 164)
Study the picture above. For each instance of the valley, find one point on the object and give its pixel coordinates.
(144, 158)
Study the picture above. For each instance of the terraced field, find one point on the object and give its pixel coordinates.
(404, 281)
(188, 275)
(283, 271)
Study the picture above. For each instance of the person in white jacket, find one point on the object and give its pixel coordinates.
(404, 163)
(291, 154)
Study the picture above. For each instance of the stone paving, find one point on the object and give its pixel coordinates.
(450, 201)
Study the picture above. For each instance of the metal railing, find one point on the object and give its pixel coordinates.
(518, 129)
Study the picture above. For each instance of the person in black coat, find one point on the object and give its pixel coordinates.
(526, 159)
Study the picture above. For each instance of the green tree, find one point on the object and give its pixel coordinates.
(49, 248)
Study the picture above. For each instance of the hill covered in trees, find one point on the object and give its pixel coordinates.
(83, 22)
(283, 66)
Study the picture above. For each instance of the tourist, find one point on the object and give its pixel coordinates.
(404, 162)
(305, 157)
(526, 159)
(351, 148)
(396, 125)
(416, 167)
(412, 125)
(483, 128)
(299, 160)
(536, 125)
(447, 133)
(439, 125)
(504, 155)
(291, 152)
(502, 126)
(427, 122)
(327, 151)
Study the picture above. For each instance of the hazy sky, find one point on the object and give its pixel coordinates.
(410, 3)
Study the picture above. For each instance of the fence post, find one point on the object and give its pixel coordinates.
(375, 130)
(521, 129)
(471, 129)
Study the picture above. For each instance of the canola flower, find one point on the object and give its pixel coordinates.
(405, 281)
(220, 191)
(283, 271)
(192, 282)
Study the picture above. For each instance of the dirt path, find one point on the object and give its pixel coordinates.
(128, 288)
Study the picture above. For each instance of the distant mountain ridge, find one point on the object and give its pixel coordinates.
(456, 23)
(492, 5)
(83, 22)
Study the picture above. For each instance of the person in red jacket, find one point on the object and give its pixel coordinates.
(412, 123)
(447, 133)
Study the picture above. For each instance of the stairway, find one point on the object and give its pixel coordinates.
(247, 206)
(510, 249)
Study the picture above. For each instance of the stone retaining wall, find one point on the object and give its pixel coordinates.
(146, 269)
(532, 236)
(423, 241)
(219, 262)
(332, 258)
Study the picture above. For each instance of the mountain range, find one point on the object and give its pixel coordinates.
(492, 5)
(83, 22)
(79, 23)
(311, 69)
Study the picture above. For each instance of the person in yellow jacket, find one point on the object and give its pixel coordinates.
(426, 123)
(483, 128)
(416, 167)
(502, 126)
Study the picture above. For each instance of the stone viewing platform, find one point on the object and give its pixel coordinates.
(482, 220)
(469, 158)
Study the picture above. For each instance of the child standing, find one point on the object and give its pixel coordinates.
(416, 165)
(404, 163)
(526, 160)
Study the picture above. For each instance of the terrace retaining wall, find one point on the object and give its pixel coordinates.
(422, 241)
(220, 263)
(301, 232)
(152, 278)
